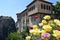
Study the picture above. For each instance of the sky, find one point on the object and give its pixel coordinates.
(12, 7)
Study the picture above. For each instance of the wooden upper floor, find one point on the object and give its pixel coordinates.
(36, 6)
(39, 6)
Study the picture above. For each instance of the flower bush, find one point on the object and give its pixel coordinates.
(48, 29)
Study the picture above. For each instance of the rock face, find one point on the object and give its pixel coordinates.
(7, 25)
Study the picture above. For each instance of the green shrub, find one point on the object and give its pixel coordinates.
(15, 36)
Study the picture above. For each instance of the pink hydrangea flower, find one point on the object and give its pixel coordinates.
(39, 39)
(45, 35)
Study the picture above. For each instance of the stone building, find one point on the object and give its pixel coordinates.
(35, 8)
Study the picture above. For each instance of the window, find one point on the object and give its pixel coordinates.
(32, 18)
(41, 6)
(23, 21)
(49, 7)
(27, 21)
(26, 14)
(44, 6)
(32, 8)
(18, 19)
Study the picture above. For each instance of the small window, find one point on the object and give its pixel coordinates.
(23, 21)
(32, 8)
(49, 7)
(18, 19)
(27, 20)
(44, 6)
(41, 6)
(32, 18)
(26, 14)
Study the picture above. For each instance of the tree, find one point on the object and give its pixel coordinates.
(57, 6)
(57, 10)
(7, 25)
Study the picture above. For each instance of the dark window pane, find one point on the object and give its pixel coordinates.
(32, 8)
(44, 6)
(26, 13)
(49, 7)
(41, 6)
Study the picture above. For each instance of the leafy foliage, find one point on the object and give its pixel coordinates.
(25, 32)
(15, 36)
(57, 6)
(7, 25)
(19, 35)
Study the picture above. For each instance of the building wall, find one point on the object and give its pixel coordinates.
(39, 9)
(28, 19)
(21, 18)
(44, 10)
(34, 10)
(33, 21)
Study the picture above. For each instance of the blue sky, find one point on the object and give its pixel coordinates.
(12, 7)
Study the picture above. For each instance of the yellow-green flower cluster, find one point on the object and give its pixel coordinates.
(44, 21)
(35, 27)
(46, 26)
(35, 30)
(28, 37)
(57, 22)
(51, 22)
(56, 33)
(47, 17)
